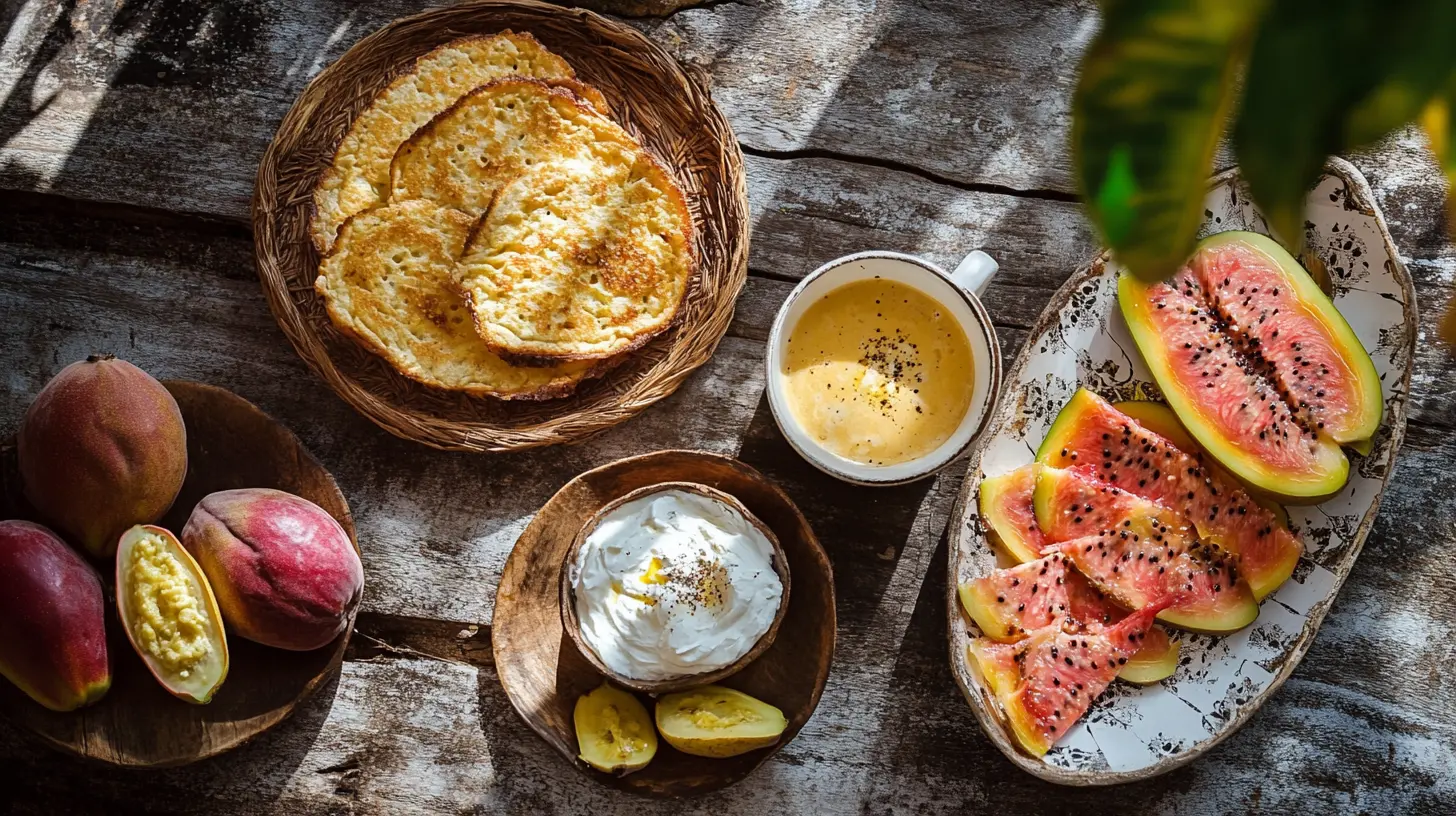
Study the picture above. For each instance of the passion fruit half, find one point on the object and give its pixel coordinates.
(714, 721)
(169, 613)
(613, 731)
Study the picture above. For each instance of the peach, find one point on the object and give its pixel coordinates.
(284, 572)
(52, 619)
(102, 448)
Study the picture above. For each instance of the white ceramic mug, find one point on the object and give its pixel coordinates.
(957, 291)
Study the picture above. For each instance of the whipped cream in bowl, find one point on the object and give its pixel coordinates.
(672, 586)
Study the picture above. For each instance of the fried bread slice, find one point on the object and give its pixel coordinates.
(387, 283)
(580, 259)
(358, 176)
(495, 133)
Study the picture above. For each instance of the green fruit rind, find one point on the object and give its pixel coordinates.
(996, 664)
(1333, 468)
(989, 656)
(1237, 618)
(1045, 496)
(978, 605)
(1156, 659)
(996, 493)
(1064, 426)
(1372, 406)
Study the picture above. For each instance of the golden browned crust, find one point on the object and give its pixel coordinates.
(455, 159)
(386, 284)
(553, 289)
(326, 210)
(592, 107)
(585, 92)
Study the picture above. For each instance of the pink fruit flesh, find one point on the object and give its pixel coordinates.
(1095, 440)
(1257, 300)
(1142, 554)
(1010, 603)
(1046, 682)
(1236, 398)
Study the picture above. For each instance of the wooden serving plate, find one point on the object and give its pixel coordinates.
(230, 444)
(543, 672)
(1131, 732)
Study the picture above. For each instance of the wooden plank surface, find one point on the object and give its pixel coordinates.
(129, 141)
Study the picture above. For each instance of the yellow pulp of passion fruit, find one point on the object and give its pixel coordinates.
(613, 731)
(170, 614)
(169, 620)
(714, 721)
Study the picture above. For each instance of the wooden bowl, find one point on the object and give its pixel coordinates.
(543, 672)
(649, 93)
(230, 444)
(572, 624)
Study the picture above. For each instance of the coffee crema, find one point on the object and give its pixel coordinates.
(878, 372)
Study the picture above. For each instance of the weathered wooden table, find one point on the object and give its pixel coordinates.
(128, 144)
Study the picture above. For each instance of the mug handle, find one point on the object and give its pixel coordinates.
(975, 271)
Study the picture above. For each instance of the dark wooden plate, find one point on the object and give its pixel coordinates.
(543, 672)
(230, 444)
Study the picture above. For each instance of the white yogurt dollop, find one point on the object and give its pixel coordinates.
(674, 584)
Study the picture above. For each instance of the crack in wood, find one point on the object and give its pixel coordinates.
(385, 637)
(905, 167)
(782, 277)
(650, 9)
(350, 764)
(32, 203)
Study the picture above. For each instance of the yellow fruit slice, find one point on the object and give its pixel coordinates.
(613, 731)
(714, 721)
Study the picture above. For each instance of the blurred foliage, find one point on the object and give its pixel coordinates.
(1157, 85)
(1300, 79)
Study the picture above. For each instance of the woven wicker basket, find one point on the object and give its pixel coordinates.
(649, 93)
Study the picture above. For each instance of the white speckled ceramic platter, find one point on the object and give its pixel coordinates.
(1134, 732)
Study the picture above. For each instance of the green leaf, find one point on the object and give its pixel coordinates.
(1421, 61)
(1329, 76)
(1156, 87)
(1439, 121)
